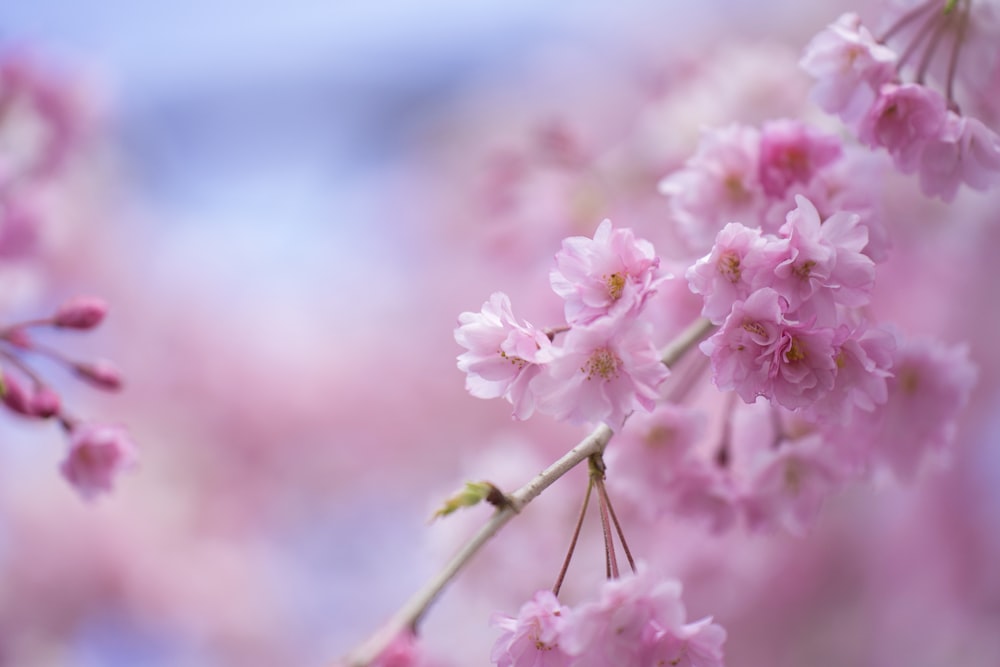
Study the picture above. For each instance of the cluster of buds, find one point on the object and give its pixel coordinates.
(97, 452)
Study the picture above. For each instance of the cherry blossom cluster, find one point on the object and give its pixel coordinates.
(638, 620)
(740, 172)
(786, 308)
(97, 452)
(861, 78)
(824, 393)
(605, 365)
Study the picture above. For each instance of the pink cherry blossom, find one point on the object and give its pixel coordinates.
(864, 357)
(931, 384)
(789, 484)
(759, 352)
(729, 272)
(620, 628)
(719, 184)
(532, 638)
(849, 66)
(612, 274)
(503, 355)
(98, 453)
(792, 152)
(903, 119)
(602, 372)
(965, 151)
(697, 644)
(824, 264)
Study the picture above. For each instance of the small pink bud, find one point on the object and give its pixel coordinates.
(45, 403)
(14, 395)
(101, 374)
(42, 403)
(82, 312)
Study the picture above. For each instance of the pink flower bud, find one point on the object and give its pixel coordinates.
(45, 403)
(15, 396)
(97, 454)
(42, 403)
(101, 374)
(82, 312)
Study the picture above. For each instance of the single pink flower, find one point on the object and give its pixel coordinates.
(728, 273)
(931, 384)
(98, 453)
(602, 372)
(532, 638)
(696, 644)
(903, 119)
(612, 274)
(719, 184)
(965, 151)
(621, 627)
(759, 352)
(824, 265)
(788, 485)
(864, 357)
(503, 355)
(849, 67)
(792, 152)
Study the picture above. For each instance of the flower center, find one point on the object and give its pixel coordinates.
(795, 352)
(729, 266)
(804, 270)
(514, 360)
(616, 284)
(603, 363)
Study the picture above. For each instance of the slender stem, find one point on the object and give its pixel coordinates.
(24, 368)
(925, 29)
(697, 331)
(603, 491)
(576, 535)
(905, 20)
(925, 60)
(963, 24)
(610, 560)
(408, 616)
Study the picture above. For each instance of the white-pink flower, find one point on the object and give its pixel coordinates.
(602, 372)
(824, 264)
(98, 453)
(759, 352)
(849, 67)
(621, 627)
(503, 355)
(697, 644)
(611, 274)
(903, 119)
(532, 638)
(965, 151)
(730, 271)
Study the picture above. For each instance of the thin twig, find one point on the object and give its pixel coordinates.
(576, 536)
(602, 490)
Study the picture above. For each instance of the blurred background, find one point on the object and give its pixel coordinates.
(287, 205)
